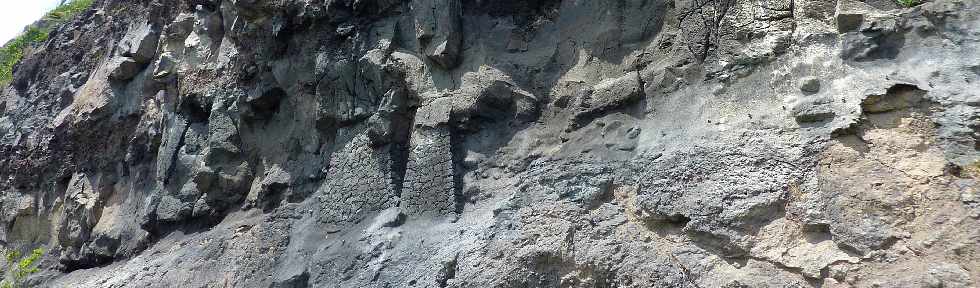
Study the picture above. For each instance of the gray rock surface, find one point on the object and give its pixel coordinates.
(448, 143)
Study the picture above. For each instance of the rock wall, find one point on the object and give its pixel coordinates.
(448, 143)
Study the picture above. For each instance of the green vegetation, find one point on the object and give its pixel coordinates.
(13, 51)
(68, 10)
(909, 3)
(25, 267)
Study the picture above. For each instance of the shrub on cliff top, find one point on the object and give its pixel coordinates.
(67, 10)
(13, 51)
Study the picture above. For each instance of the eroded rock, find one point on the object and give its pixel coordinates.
(447, 143)
(438, 27)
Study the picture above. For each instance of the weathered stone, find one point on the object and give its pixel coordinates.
(351, 91)
(389, 218)
(851, 15)
(80, 213)
(489, 94)
(140, 43)
(810, 85)
(390, 122)
(164, 66)
(430, 186)
(449, 143)
(125, 68)
(605, 96)
(879, 37)
(813, 110)
(360, 181)
(816, 9)
(434, 114)
(438, 27)
(265, 101)
(271, 190)
(897, 97)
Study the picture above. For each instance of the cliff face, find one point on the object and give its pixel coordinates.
(450, 143)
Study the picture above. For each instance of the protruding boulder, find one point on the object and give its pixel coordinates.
(224, 138)
(270, 191)
(351, 91)
(810, 85)
(80, 213)
(606, 96)
(851, 15)
(125, 68)
(391, 217)
(434, 114)
(491, 94)
(868, 33)
(390, 122)
(140, 43)
(164, 66)
(880, 39)
(813, 110)
(439, 30)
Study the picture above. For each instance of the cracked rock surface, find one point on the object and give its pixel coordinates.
(450, 143)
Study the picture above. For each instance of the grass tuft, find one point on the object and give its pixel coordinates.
(909, 3)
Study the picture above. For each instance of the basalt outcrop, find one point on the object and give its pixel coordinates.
(450, 143)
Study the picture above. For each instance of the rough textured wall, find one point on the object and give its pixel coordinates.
(480, 143)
